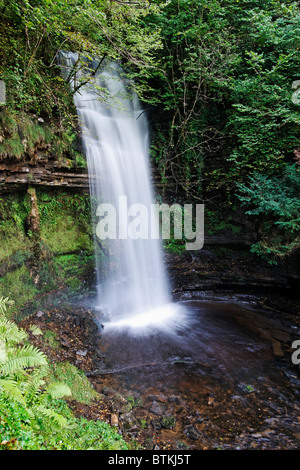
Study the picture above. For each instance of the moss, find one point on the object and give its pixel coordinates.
(63, 235)
(65, 221)
(49, 338)
(20, 135)
(168, 422)
(19, 286)
(61, 258)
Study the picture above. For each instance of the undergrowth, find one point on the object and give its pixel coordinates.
(34, 413)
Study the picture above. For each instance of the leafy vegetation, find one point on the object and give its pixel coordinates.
(224, 83)
(33, 414)
(275, 201)
(218, 75)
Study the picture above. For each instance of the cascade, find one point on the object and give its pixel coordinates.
(134, 291)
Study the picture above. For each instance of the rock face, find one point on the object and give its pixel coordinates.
(225, 262)
(51, 173)
(229, 268)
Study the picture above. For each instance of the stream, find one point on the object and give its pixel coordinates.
(222, 378)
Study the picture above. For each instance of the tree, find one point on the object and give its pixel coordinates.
(275, 204)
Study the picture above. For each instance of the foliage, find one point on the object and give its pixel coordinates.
(32, 412)
(217, 76)
(275, 202)
(32, 33)
(225, 78)
(223, 91)
(76, 380)
(21, 136)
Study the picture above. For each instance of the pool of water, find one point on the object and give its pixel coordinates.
(220, 372)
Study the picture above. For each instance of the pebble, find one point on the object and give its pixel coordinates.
(192, 433)
(156, 408)
(82, 353)
(114, 420)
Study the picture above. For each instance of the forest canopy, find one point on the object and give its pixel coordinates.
(221, 75)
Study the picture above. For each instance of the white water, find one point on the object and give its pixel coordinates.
(135, 291)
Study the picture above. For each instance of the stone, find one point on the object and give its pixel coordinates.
(114, 420)
(82, 353)
(168, 422)
(174, 399)
(129, 421)
(192, 433)
(246, 388)
(156, 408)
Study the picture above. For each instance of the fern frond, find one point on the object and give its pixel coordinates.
(54, 417)
(11, 389)
(22, 358)
(35, 330)
(35, 384)
(10, 332)
(4, 303)
(3, 353)
(58, 390)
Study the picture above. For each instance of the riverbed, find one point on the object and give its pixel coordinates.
(221, 376)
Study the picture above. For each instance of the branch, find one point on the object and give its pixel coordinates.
(91, 76)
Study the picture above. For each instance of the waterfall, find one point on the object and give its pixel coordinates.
(134, 289)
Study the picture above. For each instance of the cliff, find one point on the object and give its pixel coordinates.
(15, 176)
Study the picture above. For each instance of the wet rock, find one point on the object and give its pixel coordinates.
(181, 445)
(119, 404)
(81, 352)
(129, 421)
(246, 388)
(161, 398)
(143, 423)
(110, 392)
(273, 422)
(156, 423)
(135, 401)
(65, 342)
(168, 422)
(192, 433)
(157, 408)
(174, 399)
(114, 420)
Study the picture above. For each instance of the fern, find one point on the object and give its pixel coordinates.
(55, 418)
(11, 389)
(3, 354)
(4, 304)
(58, 390)
(10, 333)
(24, 373)
(34, 384)
(22, 358)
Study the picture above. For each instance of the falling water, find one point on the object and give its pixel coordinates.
(135, 289)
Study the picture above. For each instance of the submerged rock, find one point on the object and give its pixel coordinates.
(157, 408)
(192, 433)
(246, 388)
(168, 422)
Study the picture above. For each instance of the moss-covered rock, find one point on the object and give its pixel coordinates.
(57, 254)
